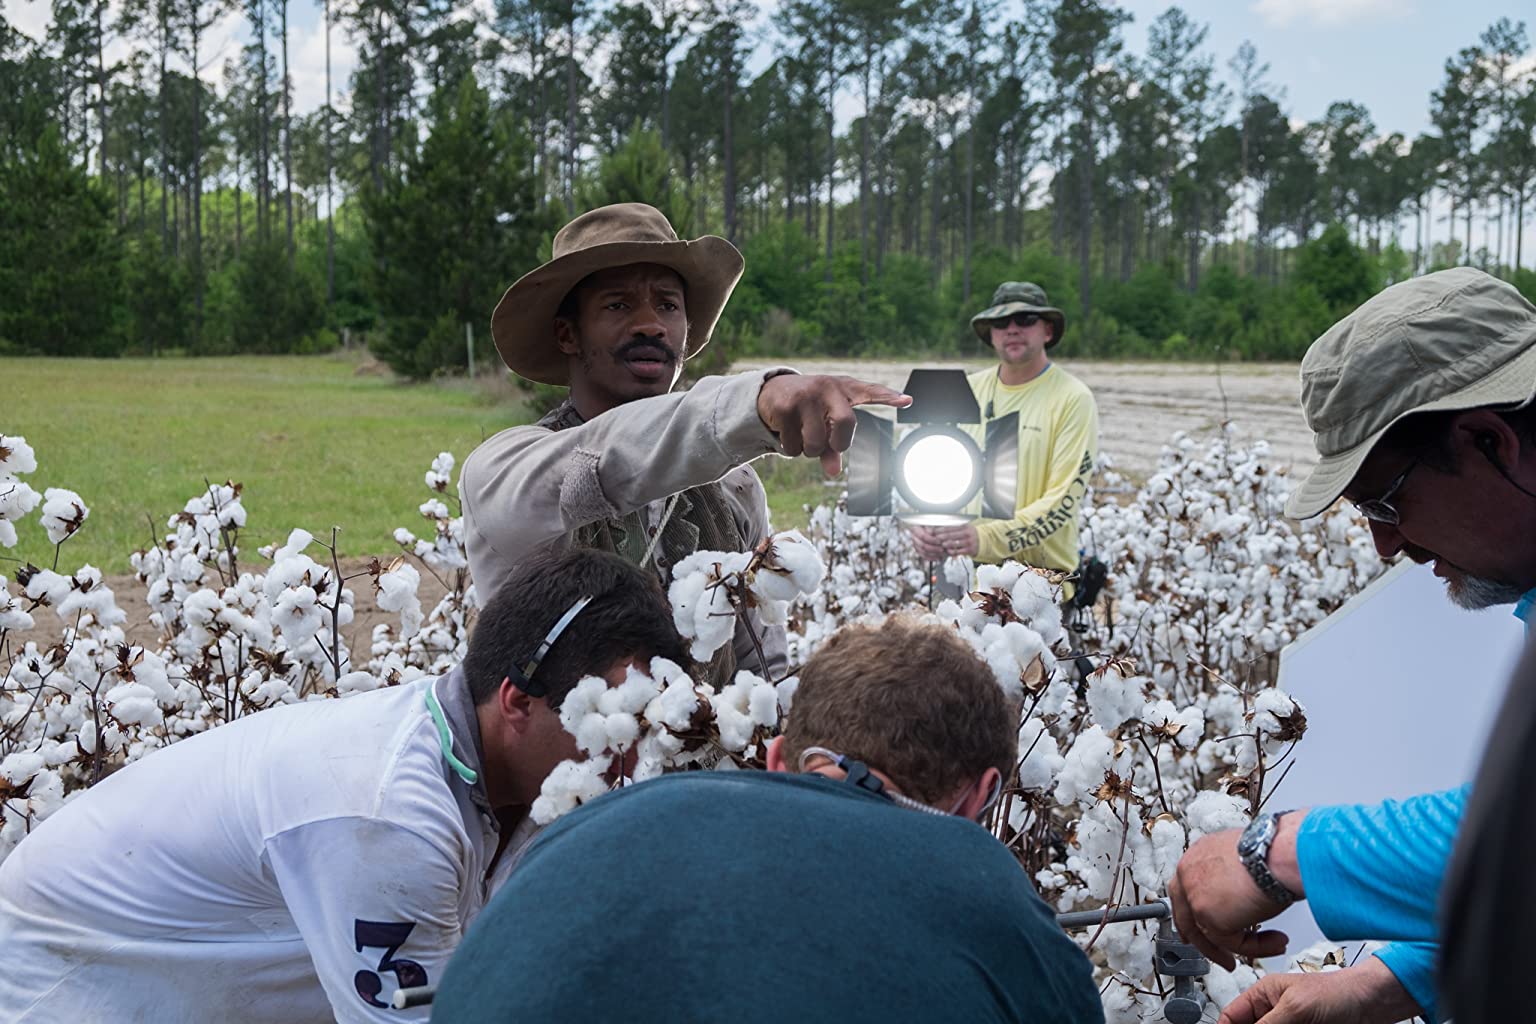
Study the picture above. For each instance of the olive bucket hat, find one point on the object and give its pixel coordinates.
(523, 325)
(1456, 339)
(1019, 297)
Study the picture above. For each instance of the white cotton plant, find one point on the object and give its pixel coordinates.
(229, 638)
(711, 590)
(662, 719)
(1176, 733)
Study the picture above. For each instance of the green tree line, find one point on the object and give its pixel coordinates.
(144, 209)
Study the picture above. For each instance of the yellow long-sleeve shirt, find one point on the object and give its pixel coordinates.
(1058, 443)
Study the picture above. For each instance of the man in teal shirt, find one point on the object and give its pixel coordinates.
(848, 884)
(1419, 405)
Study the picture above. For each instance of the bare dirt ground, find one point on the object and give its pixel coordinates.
(1141, 405)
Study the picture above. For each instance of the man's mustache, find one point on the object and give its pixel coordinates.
(643, 341)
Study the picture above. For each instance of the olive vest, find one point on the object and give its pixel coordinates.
(701, 520)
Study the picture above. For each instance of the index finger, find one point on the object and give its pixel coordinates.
(864, 392)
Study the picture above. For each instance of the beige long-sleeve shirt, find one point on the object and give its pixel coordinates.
(529, 487)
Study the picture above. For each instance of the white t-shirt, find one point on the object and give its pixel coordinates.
(295, 865)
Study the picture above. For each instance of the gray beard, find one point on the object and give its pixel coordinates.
(1475, 593)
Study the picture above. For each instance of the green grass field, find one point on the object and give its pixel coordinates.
(315, 441)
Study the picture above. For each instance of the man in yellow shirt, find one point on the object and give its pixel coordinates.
(1058, 437)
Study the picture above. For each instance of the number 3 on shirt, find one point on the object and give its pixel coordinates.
(388, 936)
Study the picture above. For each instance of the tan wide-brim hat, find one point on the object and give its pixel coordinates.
(523, 325)
(1456, 339)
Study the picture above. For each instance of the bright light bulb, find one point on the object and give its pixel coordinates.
(938, 470)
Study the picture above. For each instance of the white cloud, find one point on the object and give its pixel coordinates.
(1281, 13)
(30, 16)
(306, 58)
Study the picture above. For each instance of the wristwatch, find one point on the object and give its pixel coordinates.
(1253, 851)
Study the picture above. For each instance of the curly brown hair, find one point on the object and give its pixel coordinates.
(908, 697)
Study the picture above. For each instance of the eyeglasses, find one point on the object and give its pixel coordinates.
(1018, 319)
(1381, 510)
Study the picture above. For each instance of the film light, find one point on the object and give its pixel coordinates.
(937, 469)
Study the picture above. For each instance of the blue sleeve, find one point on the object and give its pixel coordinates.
(1374, 872)
(1413, 963)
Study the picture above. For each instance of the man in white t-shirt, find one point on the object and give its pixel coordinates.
(302, 863)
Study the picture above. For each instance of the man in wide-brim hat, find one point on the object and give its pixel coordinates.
(623, 464)
(1058, 437)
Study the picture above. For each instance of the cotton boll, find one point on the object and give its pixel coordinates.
(297, 541)
(791, 568)
(571, 783)
(438, 476)
(1114, 698)
(1166, 846)
(949, 611)
(1212, 812)
(998, 577)
(701, 604)
(18, 768)
(64, 512)
(1127, 948)
(48, 587)
(16, 499)
(763, 705)
(1040, 760)
(1087, 761)
(398, 593)
(732, 718)
(1123, 1004)
(16, 456)
(297, 615)
(958, 571)
(95, 600)
(623, 730)
(786, 689)
(134, 704)
(675, 706)
(1223, 986)
(292, 570)
(1031, 595)
(631, 696)
(581, 701)
(1186, 727)
(357, 682)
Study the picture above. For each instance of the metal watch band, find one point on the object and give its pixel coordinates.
(1253, 851)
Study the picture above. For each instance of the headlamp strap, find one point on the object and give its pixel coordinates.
(522, 675)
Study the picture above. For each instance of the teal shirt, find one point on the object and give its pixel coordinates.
(762, 897)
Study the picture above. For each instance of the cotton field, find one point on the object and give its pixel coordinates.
(1171, 727)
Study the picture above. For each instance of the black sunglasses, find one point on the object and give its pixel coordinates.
(1018, 319)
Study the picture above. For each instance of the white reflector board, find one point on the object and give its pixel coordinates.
(1400, 688)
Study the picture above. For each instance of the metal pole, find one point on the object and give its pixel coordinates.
(405, 998)
(469, 342)
(1093, 918)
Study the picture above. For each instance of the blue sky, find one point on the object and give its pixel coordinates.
(1386, 54)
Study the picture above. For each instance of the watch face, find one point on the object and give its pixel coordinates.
(1254, 836)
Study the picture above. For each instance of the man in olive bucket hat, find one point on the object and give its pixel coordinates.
(1058, 437)
(1420, 407)
(623, 464)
